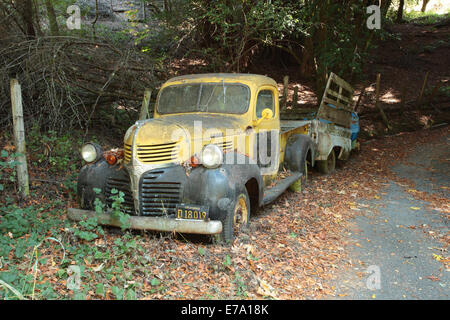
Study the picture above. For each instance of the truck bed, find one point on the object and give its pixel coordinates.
(288, 125)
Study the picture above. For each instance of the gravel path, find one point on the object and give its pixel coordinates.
(394, 254)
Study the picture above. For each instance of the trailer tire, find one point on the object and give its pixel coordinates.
(327, 166)
(237, 218)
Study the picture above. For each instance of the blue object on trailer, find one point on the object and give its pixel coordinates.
(354, 126)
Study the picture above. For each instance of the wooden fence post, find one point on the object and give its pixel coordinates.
(19, 137)
(377, 103)
(285, 92)
(145, 103)
(361, 96)
(422, 91)
(295, 98)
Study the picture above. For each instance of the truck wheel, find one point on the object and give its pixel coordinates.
(238, 218)
(327, 166)
(298, 185)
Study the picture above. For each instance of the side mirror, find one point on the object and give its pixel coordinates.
(266, 114)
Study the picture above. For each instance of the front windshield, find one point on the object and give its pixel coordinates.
(204, 97)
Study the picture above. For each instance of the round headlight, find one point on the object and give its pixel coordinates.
(212, 156)
(91, 152)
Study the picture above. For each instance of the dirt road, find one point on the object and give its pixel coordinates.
(398, 238)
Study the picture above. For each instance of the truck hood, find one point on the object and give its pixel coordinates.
(172, 128)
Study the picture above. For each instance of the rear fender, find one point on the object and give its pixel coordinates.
(297, 148)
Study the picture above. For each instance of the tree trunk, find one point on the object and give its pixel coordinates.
(25, 8)
(424, 5)
(52, 18)
(400, 11)
(307, 66)
(385, 4)
(321, 69)
(37, 20)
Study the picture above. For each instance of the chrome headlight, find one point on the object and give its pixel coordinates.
(212, 156)
(91, 152)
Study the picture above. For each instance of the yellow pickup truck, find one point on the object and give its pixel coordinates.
(214, 151)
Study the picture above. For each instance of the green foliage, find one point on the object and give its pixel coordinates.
(58, 153)
(117, 198)
(23, 231)
(8, 164)
(435, 45)
(88, 229)
(201, 251)
(227, 261)
(445, 91)
(232, 30)
(340, 38)
(320, 36)
(424, 18)
(241, 288)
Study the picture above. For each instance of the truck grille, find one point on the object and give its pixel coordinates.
(127, 152)
(121, 183)
(158, 153)
(226, 146)
(158, 198)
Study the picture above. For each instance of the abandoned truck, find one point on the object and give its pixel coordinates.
(214, 151)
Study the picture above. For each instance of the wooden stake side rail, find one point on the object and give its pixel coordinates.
(337, 106)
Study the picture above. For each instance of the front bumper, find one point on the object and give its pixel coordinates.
(160, 190)
(151, 223)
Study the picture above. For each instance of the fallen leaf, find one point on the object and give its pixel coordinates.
(98, 268)
(266, 289)
(433, 278)
(437, 257)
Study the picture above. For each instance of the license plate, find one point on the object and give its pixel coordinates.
(192, 212)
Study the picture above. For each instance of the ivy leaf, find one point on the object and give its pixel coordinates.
(154, 282)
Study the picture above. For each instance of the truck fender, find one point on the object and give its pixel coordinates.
(298, 148)
(95, 176)
(219, 187)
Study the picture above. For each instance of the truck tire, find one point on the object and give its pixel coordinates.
(238, 218)
(327, 166)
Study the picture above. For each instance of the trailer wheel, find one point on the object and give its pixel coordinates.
(237, 219)
(327, 166)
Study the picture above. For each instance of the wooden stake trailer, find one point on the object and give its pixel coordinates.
(333, 127)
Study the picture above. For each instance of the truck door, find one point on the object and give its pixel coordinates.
(268, 131)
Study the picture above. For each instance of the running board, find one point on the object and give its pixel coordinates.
(274, 192)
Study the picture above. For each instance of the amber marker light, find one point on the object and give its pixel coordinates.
(111, 159)
(195, 162)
